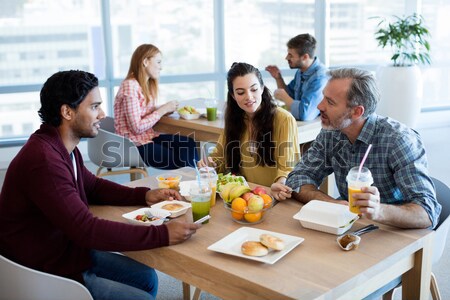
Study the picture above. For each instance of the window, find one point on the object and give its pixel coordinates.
(7, 130)
(352, 28)
(256, 32)
(35, 33)
(199, 40)
(436, 77)
(18, 114)
(182, 30)
(37, 39)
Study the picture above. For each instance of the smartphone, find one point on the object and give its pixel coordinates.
(201, 220)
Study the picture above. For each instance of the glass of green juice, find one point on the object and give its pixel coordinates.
(200, 200)
(211, 109)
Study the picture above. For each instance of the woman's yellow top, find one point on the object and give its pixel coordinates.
(287, 152)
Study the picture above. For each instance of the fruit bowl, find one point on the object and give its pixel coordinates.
(169, 181)
(240, 213)
(190, 116)
(189, 113)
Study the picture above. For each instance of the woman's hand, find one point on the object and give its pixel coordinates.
(168, 107)
(205, 162)
(280, 191)
(158, 195)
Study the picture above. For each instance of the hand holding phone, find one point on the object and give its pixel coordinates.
(201, 220)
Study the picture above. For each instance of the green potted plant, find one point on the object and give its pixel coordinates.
(401, 83)
(407, 38)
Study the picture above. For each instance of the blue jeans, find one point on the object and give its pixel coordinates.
(117, 277)
(169, 151)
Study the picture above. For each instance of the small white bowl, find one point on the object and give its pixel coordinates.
(160, 213)
(190, 116)
(348, 242)
(172, 183)
(173, 213)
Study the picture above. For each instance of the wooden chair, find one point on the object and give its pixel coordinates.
(18, 282)
(109, 150)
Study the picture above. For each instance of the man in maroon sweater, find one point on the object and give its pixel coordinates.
(44, 215)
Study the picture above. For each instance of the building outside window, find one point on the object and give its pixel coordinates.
(199, 40)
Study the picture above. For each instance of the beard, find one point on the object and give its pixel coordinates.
(82, 130)
(340, 123)
(293, 65)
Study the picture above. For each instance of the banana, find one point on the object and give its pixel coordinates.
(238, 191)
(225, 193)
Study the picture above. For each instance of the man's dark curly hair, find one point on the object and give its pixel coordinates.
(65, 87)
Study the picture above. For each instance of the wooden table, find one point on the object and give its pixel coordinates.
(316, 269)
(209, 131)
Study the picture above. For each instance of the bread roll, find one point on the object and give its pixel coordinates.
(271, 241)
(253, 248)
(172, 206)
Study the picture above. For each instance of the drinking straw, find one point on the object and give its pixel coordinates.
(204, 154)
(363, 161)
(207, 172)
(198, 174)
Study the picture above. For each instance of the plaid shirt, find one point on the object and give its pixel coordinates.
(132, 117)
(397, 161)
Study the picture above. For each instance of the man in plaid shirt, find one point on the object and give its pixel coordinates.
(402, 194)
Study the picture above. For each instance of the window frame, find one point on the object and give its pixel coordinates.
(321, 27)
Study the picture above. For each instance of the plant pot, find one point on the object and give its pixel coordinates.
(401, 93)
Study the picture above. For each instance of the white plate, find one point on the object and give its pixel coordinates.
(173, 213)
(131, 216)
(231, 244)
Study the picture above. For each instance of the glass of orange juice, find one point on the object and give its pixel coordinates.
(355, 183)
(209, 175)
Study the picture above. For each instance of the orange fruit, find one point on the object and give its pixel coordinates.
(252, 218)
(238, 206)
(267, 200)
(237, 216)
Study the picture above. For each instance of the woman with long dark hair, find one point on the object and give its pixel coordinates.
(260, 140)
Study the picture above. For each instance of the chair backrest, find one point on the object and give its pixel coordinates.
(21, 283)
(111, 150)
(108, 124)
(441, 230)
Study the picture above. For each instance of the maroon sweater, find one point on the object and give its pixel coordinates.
(45, 222)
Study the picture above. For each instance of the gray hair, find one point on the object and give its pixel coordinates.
(363, 89)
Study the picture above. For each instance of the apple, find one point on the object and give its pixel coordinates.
(247, 196)
(255, 203)
(259, 190)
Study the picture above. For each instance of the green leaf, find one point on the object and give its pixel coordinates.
(407, 37)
